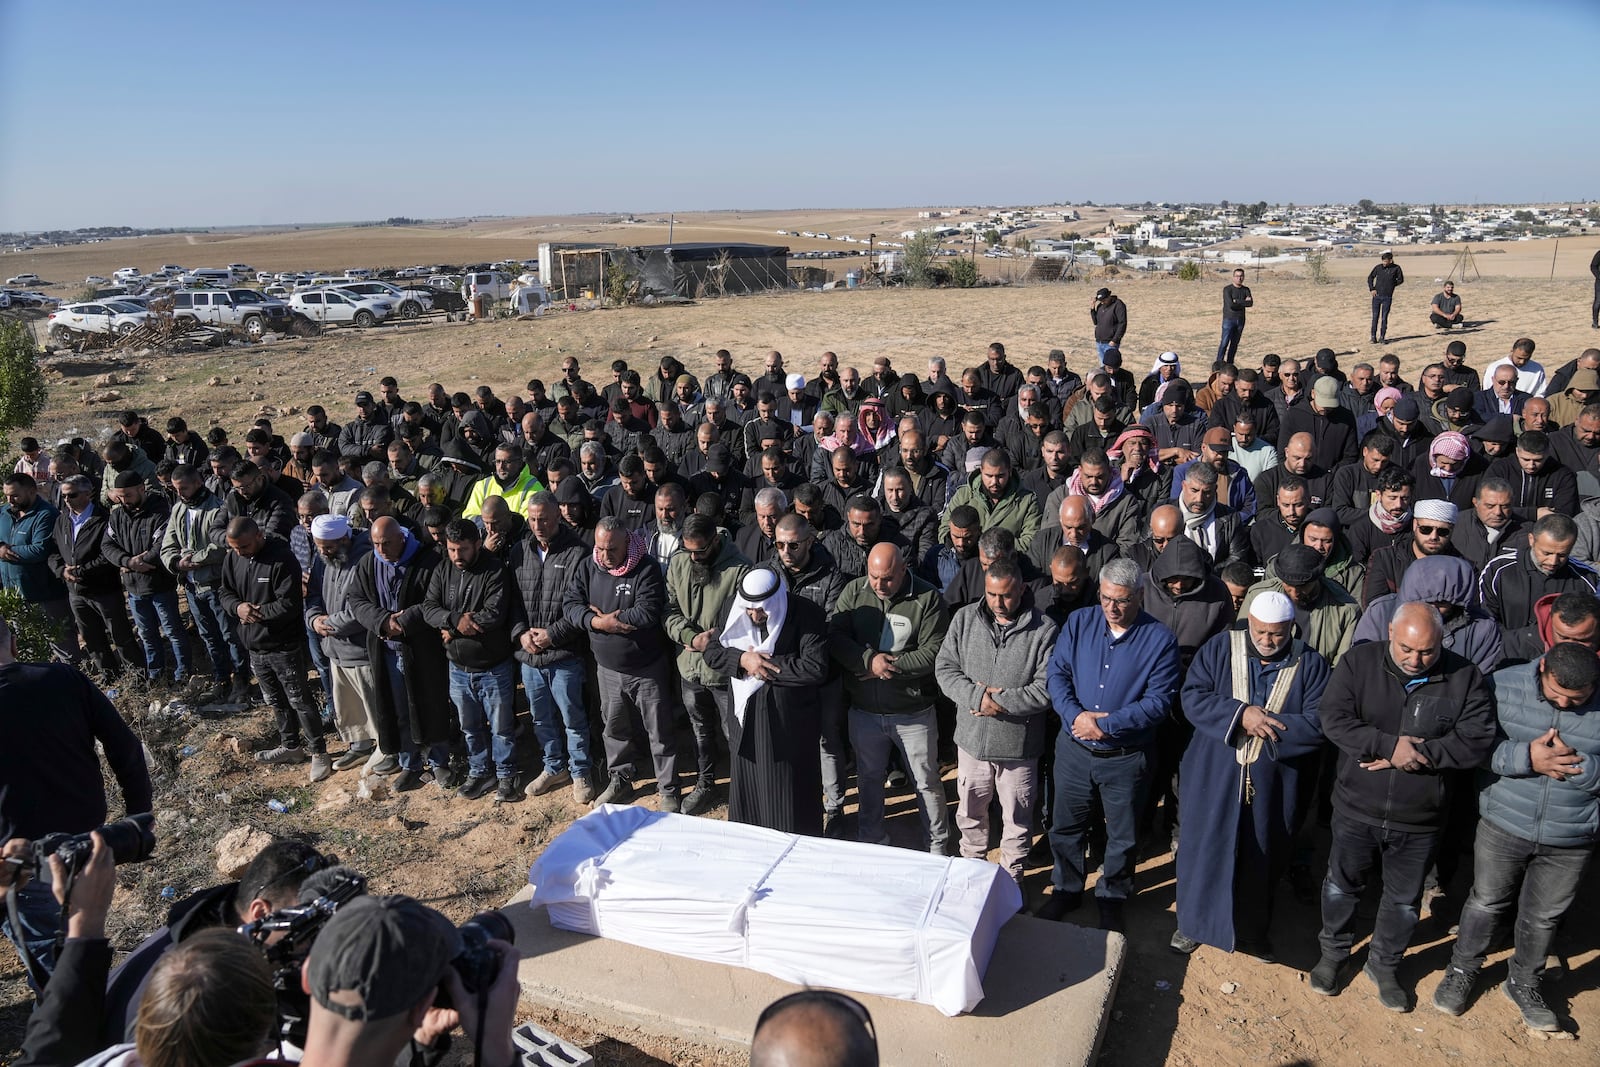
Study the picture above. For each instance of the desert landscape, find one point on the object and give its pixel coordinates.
(1205, 1009)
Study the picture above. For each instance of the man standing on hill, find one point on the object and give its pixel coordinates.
(1235, 298)
(1382, 281)
(1110, 317)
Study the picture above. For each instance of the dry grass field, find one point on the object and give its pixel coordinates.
(1206, 1009)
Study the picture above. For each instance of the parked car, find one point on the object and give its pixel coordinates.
(91, 317)
(126, 274)
(409, 302)
(339, 307)
(173, 268)
(25, 279)
(493, 284)
(243, 309)
(241, 269)
(95, 279)
(28, 299)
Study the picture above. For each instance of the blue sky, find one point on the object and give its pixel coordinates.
(165, 114)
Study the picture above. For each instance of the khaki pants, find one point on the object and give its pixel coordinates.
(355, 694)
(1013, 783)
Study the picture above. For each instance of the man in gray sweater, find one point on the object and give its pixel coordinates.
(993, 665)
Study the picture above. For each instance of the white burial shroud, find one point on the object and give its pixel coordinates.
(865, 918)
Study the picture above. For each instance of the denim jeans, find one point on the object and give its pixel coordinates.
(1102, 347)
(830, 697)
(1121, 782)
(486, 701)
(1539, 881)
(155, 616)
(560, 720)
(1232, 330)
(916, 738)
(1380, 316)
(40, 917)
(217, 632)
(411, 755)
(1355, 851)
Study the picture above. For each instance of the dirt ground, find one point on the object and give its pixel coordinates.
(462, 856)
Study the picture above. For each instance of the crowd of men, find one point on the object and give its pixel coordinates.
(1232, 611)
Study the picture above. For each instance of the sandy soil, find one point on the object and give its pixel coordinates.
(462, 857)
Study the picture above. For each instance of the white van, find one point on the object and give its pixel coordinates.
(217, 277)
(359, 274)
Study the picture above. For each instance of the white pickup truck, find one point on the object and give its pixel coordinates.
(243, 309)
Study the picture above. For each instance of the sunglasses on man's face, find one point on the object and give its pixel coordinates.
(1432, 531)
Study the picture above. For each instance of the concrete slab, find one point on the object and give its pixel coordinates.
(1048, 994)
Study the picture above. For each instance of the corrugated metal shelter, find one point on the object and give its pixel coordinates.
(704, 269)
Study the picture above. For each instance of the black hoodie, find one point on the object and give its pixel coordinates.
(1199, 613)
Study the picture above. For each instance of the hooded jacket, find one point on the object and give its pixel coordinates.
(1201, 611)
(196, 529)
(1473, 634)
(1329, 626)
(977, 653)
(1369, 703)
(695, 605)
(911, 625)
(1536, 807)
(819, 581)
(1017, 509)
(1389, 565)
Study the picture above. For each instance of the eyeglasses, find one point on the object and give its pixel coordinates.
(1118, 601)
(791, 546)
(1432, 531)
(854, 1007)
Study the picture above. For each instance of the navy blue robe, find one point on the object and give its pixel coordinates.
(1209, 790)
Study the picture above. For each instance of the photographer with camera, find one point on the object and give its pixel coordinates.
(51, 716)
(76, 993)
(271, 882)
(387, 970)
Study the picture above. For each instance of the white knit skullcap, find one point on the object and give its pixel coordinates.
(1435, 511)
(1271, 607)
(330, 527)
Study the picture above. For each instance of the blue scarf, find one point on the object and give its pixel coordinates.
(390, 576)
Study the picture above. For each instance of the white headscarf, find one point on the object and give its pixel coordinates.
(761, 587)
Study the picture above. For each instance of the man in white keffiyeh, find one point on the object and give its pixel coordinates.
(773, 648)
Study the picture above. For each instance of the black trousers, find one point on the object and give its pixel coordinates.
(105, 630)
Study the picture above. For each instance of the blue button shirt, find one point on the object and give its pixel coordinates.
(1134, 677)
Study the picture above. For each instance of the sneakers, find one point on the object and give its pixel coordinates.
(407, 780)
(214, 693)
(620, 791)
(387, 764)
(448, 779)
(476, 786)
(1325, 977)
(350, 757)
(669, 803)
(1111, 915)
(1182, 943)
(1536, 1014)
(282, 754)
(321, 766)
(700, 800)
(582, 790)
(1455, 989)
(1390, 993)
(506, 791)
(1057, 904)
(549, 782)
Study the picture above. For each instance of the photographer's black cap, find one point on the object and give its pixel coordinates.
(379, 956)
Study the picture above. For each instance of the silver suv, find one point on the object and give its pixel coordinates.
(243, 309)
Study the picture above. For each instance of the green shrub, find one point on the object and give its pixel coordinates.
(34, 631)
(964, 272)
(1190, 271)
(1317, 267)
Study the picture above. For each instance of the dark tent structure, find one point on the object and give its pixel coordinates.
(704, 269)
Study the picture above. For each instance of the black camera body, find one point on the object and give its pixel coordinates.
(478, 962)
(299, 927)
(131, 840)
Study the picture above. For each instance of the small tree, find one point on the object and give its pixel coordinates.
(918, 259)
(22, 387)
(1189, 270)
(964, 272)
(1317, 267)
(991, 237)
